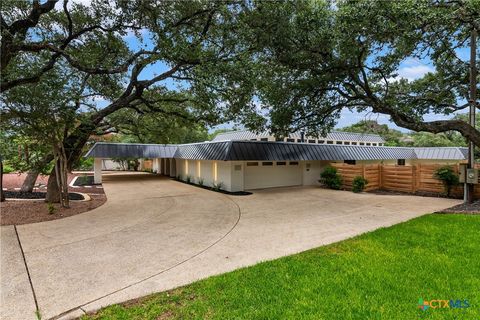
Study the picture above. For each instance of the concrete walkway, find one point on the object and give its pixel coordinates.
(155, 234)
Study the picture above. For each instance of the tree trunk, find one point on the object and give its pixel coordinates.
(29, 182)
(2, 196)
(32, 175)
(53, 192)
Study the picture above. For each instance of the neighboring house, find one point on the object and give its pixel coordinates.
(245, 164)
(335, 137)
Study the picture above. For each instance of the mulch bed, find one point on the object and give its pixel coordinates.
(28, 211)
(37, 195)
(235, 193)
(464, 208)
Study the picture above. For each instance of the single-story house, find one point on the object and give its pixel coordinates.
(240, 165)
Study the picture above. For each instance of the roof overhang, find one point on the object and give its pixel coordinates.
(270, 151)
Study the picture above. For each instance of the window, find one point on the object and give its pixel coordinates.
(290, 140)
(267, 163)
(346, 143)
(339, 142)
(329, 142)
(252, 164)
(350, 162)
(264, 139)
(321, 141)
(238, 167)
(293, 163)
(401, 162)
(374, 144)
(281, 163)
(253, 139)
(311, 141)
(299, 140)
(380, 144)
(278, 139)
(362, 143)
(368, 143)
(354, 143)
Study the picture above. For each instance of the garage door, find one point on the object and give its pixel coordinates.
(260, 175)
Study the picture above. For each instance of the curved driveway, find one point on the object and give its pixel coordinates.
(154, 234)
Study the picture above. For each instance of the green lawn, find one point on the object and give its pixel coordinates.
(379, 275)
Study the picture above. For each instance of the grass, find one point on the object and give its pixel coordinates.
(379, 275)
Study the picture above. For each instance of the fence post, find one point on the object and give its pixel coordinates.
(419, 175)
(363, 170)
(414, 178)
(380, 176)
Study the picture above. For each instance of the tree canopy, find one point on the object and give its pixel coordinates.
(320, 57)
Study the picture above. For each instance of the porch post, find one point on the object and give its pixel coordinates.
(97, 170)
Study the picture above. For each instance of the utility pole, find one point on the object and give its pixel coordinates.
(469, 187)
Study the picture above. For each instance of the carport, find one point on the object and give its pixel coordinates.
(161, 155)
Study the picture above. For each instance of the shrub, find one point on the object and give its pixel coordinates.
(330, 178)
(51, 208)
(217, 186)
(359, 184)
(7, 168)
(188, 179)
(179, 177)
(448, 177)
(200, 182)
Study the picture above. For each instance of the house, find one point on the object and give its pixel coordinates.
(238, 162)
(335, 137)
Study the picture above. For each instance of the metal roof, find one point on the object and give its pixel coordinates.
(133, 150)
(275, 151)
(445, 153)
(335, 135)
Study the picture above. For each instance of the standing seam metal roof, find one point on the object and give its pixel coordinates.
(335, 135)
(271, 151)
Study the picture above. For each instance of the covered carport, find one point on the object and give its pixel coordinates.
(162, 156)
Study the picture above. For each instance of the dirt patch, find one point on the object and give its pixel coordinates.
(23, 212)
(28, 211)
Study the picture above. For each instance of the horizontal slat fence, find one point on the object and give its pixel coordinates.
(410, 179)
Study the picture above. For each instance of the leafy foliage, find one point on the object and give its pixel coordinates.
(359, 184)
(331, 178)
(321, 57)
(449, 178)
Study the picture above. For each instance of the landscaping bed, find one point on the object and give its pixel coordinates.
(38, 195)
(384, 274)
(23, 210)
(235, 193)
(464, 208)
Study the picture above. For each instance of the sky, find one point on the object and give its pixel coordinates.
(410, 69)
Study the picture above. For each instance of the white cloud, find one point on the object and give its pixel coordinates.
(414, 72)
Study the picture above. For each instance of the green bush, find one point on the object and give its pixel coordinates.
(448, 177)
(359, 184)
(51, 208)
(200, 182)
(330, 178)
(188, 179)
(7, 168)
(84, 164)
(217, 186)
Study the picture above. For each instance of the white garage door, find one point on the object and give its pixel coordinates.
(260, 175)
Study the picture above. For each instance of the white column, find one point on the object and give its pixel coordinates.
(97, 170)
(156, 165)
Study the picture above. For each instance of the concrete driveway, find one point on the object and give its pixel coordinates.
(155, 234)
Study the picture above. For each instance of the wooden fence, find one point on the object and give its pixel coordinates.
(411, 179)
